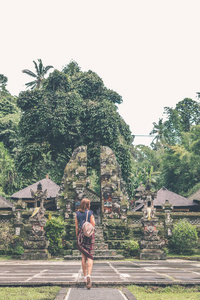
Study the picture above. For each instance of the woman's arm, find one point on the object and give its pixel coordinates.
(76, 225)
(92, 221)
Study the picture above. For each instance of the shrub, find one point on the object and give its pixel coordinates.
(17, 245)
(5, 236)
(55, 230)
(131, 248)
(184, 238)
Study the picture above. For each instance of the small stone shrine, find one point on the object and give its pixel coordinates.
(167, 207)
(36, 245)
(151, 244)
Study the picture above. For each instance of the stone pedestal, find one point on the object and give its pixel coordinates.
(151, 244)
(36, 247)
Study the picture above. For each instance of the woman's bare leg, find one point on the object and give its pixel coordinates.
(84, 265)
(89, 265)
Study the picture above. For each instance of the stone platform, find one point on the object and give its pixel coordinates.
(104, 273)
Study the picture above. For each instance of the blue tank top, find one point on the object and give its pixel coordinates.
(81, 216)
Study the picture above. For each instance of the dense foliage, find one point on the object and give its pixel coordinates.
(55, 231)
(184, 238)
(73, 108)
(177, 143)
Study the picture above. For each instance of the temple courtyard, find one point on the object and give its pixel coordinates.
(104, 274)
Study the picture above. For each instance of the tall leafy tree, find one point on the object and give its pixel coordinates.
(146, 166)
(40, 72)
(73, 108)
(8, 174)
(3, 84)
(9, 116)
(180, 164)
(178, 120)
(159, 132)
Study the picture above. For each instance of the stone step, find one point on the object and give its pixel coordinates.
(103, 252)
(96, 257)
(100, 246)
(100, 235)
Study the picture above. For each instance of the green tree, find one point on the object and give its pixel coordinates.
(180, 164)
(9, 120)
(189, 114)
(3, 84)
(69, 111)
(8, 175)
(41, 71)
(72, 68)
(158, 129)
(178, 120)
(145, 166)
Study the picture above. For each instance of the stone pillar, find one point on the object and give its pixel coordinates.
(74, 181)
(167, 207)
(18, 224)
(114, 197)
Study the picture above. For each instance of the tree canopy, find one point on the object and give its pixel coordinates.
(179, 137)
(72, 108)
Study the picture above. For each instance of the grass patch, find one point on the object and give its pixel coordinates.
(29, 293)
(183, 255)
(5, 257)
(175, 292)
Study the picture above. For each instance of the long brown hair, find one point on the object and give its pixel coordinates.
(85, 204)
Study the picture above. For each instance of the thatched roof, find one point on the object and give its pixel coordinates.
(47, 184)
(4, 203)
(138, 207)
(195, 196)
(92, 196)
(174, 199)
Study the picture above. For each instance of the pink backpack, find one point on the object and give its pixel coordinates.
(87, 227)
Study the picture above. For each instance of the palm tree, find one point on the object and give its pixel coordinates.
(159, 130)
(39, 75)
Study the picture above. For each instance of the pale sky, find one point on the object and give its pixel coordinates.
(147, 51)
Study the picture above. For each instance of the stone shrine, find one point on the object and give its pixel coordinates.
(36, 245)
(151, 244)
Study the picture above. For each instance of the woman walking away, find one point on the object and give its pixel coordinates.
(85, 244)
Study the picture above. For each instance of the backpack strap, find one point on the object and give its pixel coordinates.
(87, 216)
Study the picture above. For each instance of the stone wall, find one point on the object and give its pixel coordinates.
(116, 231)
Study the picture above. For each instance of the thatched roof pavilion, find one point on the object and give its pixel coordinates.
(5, 204)
(47, 184)
(179, 202)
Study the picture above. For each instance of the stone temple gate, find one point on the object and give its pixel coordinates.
(113, 198)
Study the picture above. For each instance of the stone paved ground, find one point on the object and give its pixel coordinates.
(95, 294)
(105, 273)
